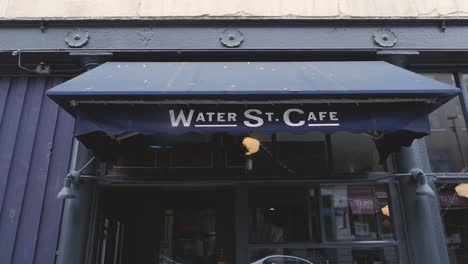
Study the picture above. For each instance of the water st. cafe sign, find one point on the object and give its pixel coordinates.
(176, 119)
(252, 118)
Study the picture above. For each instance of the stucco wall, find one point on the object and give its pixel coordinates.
(72, 9)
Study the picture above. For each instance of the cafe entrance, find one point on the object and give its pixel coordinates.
(255, 223)
(254, 162)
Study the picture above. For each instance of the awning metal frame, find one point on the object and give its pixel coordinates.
(75, 103)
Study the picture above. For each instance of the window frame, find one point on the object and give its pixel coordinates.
(396, 243)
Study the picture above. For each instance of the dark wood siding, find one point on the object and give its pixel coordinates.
(35, 144)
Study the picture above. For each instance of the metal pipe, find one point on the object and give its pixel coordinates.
(72, 247)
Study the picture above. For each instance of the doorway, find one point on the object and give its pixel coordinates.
(165, 225)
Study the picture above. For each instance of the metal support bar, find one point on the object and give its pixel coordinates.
(267, 35)
(241, 224)
(400, 234)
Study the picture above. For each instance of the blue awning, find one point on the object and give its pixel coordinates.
(174, 98)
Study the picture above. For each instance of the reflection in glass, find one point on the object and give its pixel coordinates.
(353, 212)
(386, 255)
(448, 143)
(189, 236)
(282, 259)
(191, 155)
(137, 158)
(278, 215)
(302, 152)
(354, 153)
(454, 213)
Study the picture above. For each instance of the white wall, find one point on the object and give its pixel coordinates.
(73, 9)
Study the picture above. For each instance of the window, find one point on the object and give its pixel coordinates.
(311, 223)
(295, 156)
(448, 143)
(356, 212)
(454, 213)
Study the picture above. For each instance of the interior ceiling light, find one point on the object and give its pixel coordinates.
(462, 189)
(251, 144)
(385, 210)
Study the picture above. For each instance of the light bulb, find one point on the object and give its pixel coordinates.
(462, 189)
(385, 210)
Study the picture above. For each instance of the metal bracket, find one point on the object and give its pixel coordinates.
(75, 174)
(416, 174)
(443, 26)
(42, 27)
(384, 37)
(231, 38)
(77, 38)
(43, 68)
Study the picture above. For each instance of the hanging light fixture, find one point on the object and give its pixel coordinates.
(423, 188)
(73, 179)
(67, 192)
(251, 144)
(385, 210)
(462, 189)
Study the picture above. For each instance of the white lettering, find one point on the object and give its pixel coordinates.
(269, 116)
(322, 115)
(200, 118)
(232, 117)
(181, 117)
(210, 116)
(220, 117)
(312, 117)
(287, 119)
(333, 116)
(248, 115)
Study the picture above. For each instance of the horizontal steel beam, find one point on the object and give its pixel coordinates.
(81, 37)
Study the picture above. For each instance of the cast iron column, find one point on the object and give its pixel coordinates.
(76, 215)
(421, 212)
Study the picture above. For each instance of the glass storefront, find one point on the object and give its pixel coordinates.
(448, 143)
(310, 223)
(320, 223)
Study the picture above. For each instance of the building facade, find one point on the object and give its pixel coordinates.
(324, 196)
